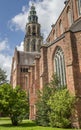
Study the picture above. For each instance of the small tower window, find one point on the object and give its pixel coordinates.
(34, 30)
(33, 45)
(28, 45)
(38, 30)
(39, 45)
(29, 30)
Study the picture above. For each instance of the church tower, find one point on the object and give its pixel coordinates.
(33, 38)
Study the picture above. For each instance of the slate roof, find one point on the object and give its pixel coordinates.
(27, 58)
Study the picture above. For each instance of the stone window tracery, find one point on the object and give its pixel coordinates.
(59, 66)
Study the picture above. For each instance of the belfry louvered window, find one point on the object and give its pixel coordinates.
(59, 66)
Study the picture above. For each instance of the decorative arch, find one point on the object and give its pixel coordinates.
(61, 26)
(28, 45)
(33, 45)
(39, 45)
(69, 16)
(33, 30)
(59, 65)
(29, 30)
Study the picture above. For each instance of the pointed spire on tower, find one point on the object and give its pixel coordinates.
(32, 15)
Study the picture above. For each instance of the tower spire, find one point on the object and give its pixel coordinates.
(32, 15)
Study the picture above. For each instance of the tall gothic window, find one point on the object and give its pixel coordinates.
(70, 17)
(59, 66)
(79, 6)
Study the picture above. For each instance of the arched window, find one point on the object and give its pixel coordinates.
(61, 27)
(34, 30)
(33, 45)
(70, 16)
(39, 45)
(28, 45)
(79, 6)
(59, 66)
(29, 30)
(38, 30)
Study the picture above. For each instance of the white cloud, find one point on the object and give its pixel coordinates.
(19, 21)
(20, 47)
(5, 64)
(5, 59)
(4, 44)
(47, 11)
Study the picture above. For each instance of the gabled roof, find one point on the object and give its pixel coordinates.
(27, 58)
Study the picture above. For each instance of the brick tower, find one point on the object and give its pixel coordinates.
(33, 38)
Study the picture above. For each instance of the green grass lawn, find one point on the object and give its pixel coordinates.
(5, 124)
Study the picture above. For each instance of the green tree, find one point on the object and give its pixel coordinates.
(3, 77)
(14, 103)
(61, 104)
(54, 105)
(42, 107)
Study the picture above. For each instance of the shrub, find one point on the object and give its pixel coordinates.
(61, 104)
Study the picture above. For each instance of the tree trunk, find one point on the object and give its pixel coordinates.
(14, 121)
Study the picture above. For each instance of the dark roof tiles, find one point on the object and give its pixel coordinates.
(27, 58)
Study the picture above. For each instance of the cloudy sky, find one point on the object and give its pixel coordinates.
(13, 18)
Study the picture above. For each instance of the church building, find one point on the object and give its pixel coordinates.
(34, 67)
